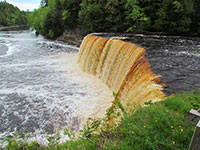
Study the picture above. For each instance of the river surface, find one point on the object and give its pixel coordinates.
(42, 89)
(176, 59)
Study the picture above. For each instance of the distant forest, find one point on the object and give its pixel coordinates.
(177, 17)
(10, 15)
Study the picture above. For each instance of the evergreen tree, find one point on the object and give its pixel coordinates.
(172, 16)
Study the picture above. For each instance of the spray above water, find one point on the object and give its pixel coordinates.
(123, 67)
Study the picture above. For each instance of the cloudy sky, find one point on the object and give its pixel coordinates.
(25, 4)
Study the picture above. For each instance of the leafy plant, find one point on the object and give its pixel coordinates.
(54, 140)
(70, 134)
(19, 143)
(162, 125)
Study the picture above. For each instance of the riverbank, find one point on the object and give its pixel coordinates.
(75, 37)
(162, 125)
(13, 28)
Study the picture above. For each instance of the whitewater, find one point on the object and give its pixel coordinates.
(42, 89)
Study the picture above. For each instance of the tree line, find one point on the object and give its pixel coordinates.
(10, 15)
(170, 16)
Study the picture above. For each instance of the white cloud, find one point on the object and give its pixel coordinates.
(24, 6)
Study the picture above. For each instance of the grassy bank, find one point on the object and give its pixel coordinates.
(164, 125)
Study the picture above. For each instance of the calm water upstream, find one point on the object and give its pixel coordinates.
(176, 59)
(42, 89)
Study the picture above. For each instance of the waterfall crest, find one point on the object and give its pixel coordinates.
(123, 67)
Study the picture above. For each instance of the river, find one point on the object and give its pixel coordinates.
(175, 58)
(42, 89)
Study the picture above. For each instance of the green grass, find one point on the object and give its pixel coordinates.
(163, 125)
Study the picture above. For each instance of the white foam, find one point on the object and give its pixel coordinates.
(44, 85)
(183, 53)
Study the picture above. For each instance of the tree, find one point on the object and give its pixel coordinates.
(91, 16)
(70, 11)
(115, 15)
(11, 15)
(48, 20)
(195, 25)
(98, 15)
(135, 17)
(173, 16)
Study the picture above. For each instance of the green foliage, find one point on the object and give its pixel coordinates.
(48, 20)
(116, 110)
(135, 18)
(171, 16)
(10, 15)
(195, 25)
(70, 11)
(176, 103)
(54, 16)
(70, 134)
(162, 125)
(98, 15)
(90, 128)
(116, 15)
(148, 103)
(19, 143)
(91, 15)
(81, 144)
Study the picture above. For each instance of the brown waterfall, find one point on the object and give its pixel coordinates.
(123, 67)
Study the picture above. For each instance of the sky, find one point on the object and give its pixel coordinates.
(25, 4)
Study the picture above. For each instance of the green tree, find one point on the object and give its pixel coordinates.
(48, 20)
(70, 11)
(91, 16)
(171, 16)
(115, 15)
(98, 15)
(195, 25)
(11, 15)
(55, 16)
(135, 17)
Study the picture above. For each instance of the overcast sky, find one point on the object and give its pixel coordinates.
(25, 4)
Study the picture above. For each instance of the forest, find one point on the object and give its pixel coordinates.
(10, 15)
(175, 17)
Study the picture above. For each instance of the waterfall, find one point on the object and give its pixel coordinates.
(123, 67)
